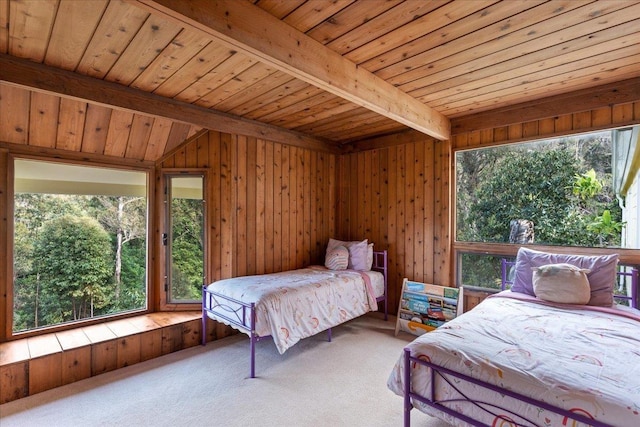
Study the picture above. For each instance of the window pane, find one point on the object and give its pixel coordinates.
(80, 244)
(186, 242)
(480, 270)
(552, 192)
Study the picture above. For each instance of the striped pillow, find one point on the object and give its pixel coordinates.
(337, 258)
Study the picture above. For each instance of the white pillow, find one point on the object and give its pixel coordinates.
(370, 256)
(337, 258)
(358, 253)
(563, 283)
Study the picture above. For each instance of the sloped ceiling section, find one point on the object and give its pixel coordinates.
(133, 79)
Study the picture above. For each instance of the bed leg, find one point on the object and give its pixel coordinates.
(329, 334)
(407, 388)
(203, 338)
(253, 338)
(253, 356)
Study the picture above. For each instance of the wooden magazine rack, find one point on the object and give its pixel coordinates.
(424, 307)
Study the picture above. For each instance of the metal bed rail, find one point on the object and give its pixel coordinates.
(497, 412)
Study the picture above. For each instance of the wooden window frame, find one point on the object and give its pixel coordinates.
(6, 311)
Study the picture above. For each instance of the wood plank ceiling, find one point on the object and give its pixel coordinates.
(133, 79)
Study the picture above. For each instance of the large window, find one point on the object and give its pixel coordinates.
(558, 192)
(184, 237)
(79, 244)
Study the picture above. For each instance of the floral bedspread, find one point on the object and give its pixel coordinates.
(297, 304)
(585, 361)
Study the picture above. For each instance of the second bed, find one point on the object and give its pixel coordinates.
(292, 305)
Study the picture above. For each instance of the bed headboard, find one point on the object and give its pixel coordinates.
(380, 263)
(623, 273)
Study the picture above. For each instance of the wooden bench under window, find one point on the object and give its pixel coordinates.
(35, 364)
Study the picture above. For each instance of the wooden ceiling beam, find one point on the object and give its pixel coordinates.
(253, 31)
(621, 92)
(42, 78)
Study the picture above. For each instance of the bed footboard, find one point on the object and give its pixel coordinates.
(238, 314)
(380, 265)
(498, 414)
(235, 313)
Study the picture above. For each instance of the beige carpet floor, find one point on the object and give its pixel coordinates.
(315, 383)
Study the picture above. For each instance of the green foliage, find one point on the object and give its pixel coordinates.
(605, 227)
(587, 185)
(541, 182)
(562, 186)
(533, 186)
(74, 277)
(78, 268)
(187, 268)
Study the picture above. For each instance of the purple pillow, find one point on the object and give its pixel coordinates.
(602, 275)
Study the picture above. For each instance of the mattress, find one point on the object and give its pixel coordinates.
(296, 304)
(585, 360)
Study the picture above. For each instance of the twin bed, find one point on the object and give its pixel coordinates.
(292, 305)
(534, 355)
(519, 360)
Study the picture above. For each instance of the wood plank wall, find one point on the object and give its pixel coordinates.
(4, 238)
(607, 117)
(271, 207)
(393, 197)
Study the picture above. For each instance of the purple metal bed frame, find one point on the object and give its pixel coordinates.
(242, 316)
(448, 376)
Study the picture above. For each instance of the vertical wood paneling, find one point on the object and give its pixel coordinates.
(300, 183)
(14, 381)
(251, 207)
(400, 221)
(140, 132)
(5, 279)
(286, 208)
(118, 133)
(202, 151)
(376, 213)
(310, 225)
(31, 24)
(71, 119)
(429, 223)
(293, 210)
(585, 121)
(419, 213)
(180, 158)
(227, 217)
(442, 197)
(392, 220)
(75, 23)
(271, 207)
(240, 175)
(261, 156)
(343, 197)
(95, 129)
(409, 218)
(268, 217)
(306, 196)
(214, 207)
(4, 26)
(43, 120)
(158, 138)
(391, 202)
(14, 115)
(277, 207)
